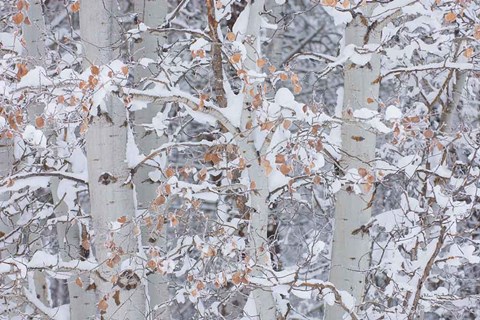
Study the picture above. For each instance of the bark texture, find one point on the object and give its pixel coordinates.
(120, 293)
(258, 238)
(351, 250)
(152, 13)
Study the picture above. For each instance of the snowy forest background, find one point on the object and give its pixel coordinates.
(239, 159)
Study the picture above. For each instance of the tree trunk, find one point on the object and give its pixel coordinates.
(35, 52)
(351, 250)
(110, 196)
(258, 238)
(34, 34)
(152, 13)
(453, 99)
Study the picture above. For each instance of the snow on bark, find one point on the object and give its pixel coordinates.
(120, 292)
(34, 37)
(249, 23)
(152, 13)
(350, 248)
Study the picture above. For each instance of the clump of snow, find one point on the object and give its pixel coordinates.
(200, 44)
(35, 78)
(142, 27)
(34, 137)
(392, 113)
(11, 42)
(379, 126)
(364, 113)
(284, 97)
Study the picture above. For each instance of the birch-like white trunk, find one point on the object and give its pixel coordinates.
(34, 34)
(35, 52)
(351, 250)
(152, 13)
(258, 239)
(6, 247)
(110, 197)
(460, 80)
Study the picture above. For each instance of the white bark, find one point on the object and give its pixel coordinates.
(461, 76)
(35, 52)
(263, 297)
(350, 252)
(6, 247)
(110, 197)
(152, 13)
(34, 34)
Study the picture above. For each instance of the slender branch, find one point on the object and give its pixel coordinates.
(190, 102)
(426, 272)
(217, 66)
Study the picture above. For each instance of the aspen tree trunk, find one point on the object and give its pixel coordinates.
(152, 13)
(453, 100)
(258, 239)
(35, 52)
(351, 250)
(110, 197)
(275, 48)
(6, 247)
(34, 34)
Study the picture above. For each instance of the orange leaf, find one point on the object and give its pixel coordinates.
(231, 36)
(86, 244)
(428, 133)
(283, 76)
(330, 3)
(319, 146)
(168, 189)
(116, 297)
(159, 200)
(279, 158)
(370, 100)
(122, 219)
(103, 305)
(170, 172)
(285, 169)
(79, 282)
(286, 124)
(476, 32)
(362, 172)
(125, 70)
(20, 5)
(95, 70)
(468, 52)
(202, 174)
(261, 63)
(358, 138)
(272, 69)
(151, 264)
(18, 18)
(22, 70)
(75, 7)
(236, 57)
(237, 278)
(39, 122)
(450, 17)
(297, 89)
